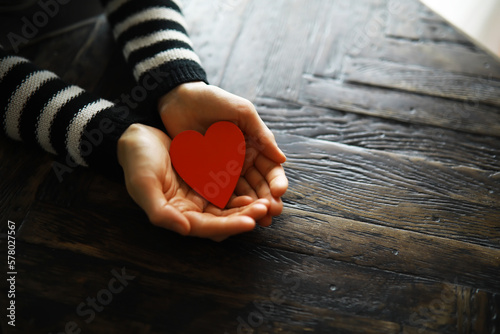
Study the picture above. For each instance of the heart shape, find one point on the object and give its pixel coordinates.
(210, 164)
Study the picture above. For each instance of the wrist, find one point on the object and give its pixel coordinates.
(183, 91)
(126, 139)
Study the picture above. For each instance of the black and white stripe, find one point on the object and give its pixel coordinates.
(49, 112)
(32, 102)
(37, 107)
(153, 36)
(79, 123)
(20, 96)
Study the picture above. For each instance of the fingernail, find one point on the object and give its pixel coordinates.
(282, 153)
(181, 229)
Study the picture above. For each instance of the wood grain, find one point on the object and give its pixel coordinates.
(433, 143)
(401, 106)
(421, 195)
(414, 79)
(451, 57)
(17, 194)
(302, 292)
(390, 121)
(422, 25)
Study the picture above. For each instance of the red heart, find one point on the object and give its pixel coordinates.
(210, 164)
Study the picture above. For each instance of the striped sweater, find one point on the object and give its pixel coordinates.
(38, 107)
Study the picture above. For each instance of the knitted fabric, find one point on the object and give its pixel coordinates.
(37, 107)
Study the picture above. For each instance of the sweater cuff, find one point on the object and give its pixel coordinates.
(169, 75)
(100, 139)
(155, 43)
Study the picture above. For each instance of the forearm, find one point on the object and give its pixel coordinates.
(37, 107)
(153, 37)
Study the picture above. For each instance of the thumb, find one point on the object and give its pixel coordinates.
(261, 138)
(147, 193)
(232, 107)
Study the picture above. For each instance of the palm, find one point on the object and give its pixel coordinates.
(177, 192)
(168, 200)
(199, 106)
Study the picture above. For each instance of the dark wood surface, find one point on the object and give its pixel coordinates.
(391, 122)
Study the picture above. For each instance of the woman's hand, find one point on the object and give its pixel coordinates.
(143, 153)
(196, 106)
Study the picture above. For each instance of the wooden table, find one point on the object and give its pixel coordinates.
(391, 122)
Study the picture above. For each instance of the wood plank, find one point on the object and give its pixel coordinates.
(97, 228)
(314, 231)
(392, 190)
(415, 21)
(67, 190)
(48, 53)
(82, 63)
(331, 33)
(214, 27)
(437, 144)
(366, 22)
(392, 249)
(341, 239)
(257, 55)
(312, 292)
(401, 106)
(65, 16)
(415, 79)
(425, 29)
(295, 51)
(391, 222)
(245, 66)
(19, 179)
(449, 57)
(406, 32)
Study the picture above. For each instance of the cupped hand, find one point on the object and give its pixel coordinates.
(143, 153)
(196, 106)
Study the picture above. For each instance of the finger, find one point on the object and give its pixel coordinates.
(210, 226)
(239, 201)
(265, 142)
(212, 209)
(254, 127)
(274, 175)
(250, 155)
(244, 189)
(265, 221)
(148, 194)
(249, 121)
(258, 182)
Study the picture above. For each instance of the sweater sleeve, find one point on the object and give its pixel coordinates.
(37, 107)
(155, 42)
